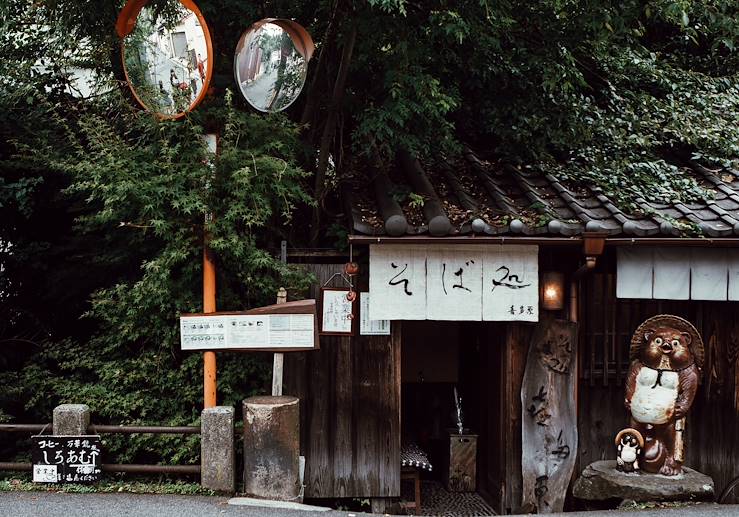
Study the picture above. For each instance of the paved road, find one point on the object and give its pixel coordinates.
(39, 504)
(35, 504)
(708, 510)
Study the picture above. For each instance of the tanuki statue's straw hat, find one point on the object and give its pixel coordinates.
(630, 430)
(668, 320)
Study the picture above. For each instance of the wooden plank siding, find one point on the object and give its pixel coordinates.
(349, 394)
(712, 430)
(518, 336)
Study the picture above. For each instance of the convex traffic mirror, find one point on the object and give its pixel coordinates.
(167, 55)
(271, 63)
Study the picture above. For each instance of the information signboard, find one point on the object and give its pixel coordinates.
(280, 328)
(66, 459)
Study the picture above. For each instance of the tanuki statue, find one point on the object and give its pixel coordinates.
(666, 360)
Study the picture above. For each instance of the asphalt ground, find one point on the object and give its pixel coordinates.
(40, 504)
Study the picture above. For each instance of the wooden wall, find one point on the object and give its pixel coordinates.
(349, 394)
(503, 349)
(350, 409)
(712, 430)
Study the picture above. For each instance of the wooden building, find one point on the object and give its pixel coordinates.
(363, 395)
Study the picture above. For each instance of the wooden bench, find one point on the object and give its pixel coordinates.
(412, 461)
(414, 474)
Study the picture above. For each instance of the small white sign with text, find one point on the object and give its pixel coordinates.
(368, 327)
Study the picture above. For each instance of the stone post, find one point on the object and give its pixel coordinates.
(272, 448)
(217, 465)
(71, 419)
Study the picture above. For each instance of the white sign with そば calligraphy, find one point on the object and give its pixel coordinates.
(458, 283)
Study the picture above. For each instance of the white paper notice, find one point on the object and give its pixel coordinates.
(454, 283)
(245, 331)
(511, 284)
(203, 332)
(368, 327)
(291, 330)
(336, 312)
(45, 474)
(397, 282)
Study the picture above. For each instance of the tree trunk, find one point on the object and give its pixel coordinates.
(312, 95)
(329, 131)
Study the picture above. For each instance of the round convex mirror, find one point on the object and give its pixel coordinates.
(271, 63)
(167, 55)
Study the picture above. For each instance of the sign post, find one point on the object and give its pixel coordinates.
(66, 459)
(209, 306)
(209, 300)
(279, 358)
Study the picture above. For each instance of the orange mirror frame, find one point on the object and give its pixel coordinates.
(127, 22)
(300, 37)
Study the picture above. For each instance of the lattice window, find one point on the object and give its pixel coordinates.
(607, 324)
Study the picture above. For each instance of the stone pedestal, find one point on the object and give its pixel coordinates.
(600, 481)
(272, 448)
(217, 449)
(71, 419)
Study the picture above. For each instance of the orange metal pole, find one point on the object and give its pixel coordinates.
(209, 305)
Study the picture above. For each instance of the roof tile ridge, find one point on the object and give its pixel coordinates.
(501, 198)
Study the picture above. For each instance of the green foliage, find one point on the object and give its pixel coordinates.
(616, 95)
(103, 207)
(150, 185)
(340, 235)
(416, 200)
(24, 484)
(136, 198)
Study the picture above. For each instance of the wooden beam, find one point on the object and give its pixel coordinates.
(515, 352)
(728, 242)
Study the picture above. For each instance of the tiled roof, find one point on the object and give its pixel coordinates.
(476, 196)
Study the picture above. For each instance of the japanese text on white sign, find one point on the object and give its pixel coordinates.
(472, 283)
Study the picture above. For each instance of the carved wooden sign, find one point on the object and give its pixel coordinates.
(458, 283)
(549, 440)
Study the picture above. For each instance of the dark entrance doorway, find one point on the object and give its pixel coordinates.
(436, 357)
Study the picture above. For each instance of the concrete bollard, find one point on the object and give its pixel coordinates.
(272, 448)
(71, 419)
(217, 470)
